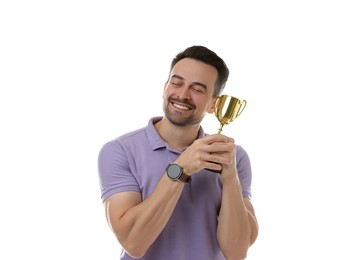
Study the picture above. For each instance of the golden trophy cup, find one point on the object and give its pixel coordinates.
(227, 109)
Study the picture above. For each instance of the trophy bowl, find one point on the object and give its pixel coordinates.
(227, 109)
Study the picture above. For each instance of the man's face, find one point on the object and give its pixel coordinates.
(188, 94)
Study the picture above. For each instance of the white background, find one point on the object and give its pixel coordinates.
(75, 74)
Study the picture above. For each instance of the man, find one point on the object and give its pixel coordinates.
(162, 195)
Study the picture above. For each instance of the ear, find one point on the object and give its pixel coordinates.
(211, 109)
(164, 89)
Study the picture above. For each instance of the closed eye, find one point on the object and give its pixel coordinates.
(176, 81)
(199, 89)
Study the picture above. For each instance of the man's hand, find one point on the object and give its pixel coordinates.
(229, 170)
(211, 152)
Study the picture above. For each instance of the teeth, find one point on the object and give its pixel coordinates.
(181, 107)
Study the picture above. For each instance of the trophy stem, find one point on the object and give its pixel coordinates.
(220, 129)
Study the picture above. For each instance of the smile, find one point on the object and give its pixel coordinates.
(182, 107)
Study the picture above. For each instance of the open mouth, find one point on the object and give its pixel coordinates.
(180, 106)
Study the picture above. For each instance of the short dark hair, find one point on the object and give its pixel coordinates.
(207, 56)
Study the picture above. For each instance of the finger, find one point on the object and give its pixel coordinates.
(231, 140)
(219, 157)
(221, 160)
(216, 138)
(219, 147)
(214, 166)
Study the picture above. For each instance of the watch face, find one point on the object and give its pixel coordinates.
(174, 171)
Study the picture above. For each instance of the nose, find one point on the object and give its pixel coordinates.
(183, 93)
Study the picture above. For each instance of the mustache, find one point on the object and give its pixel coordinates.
(183, 101)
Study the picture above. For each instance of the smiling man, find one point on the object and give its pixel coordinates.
(161, 202)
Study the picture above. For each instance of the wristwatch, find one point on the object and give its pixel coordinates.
(175, 173)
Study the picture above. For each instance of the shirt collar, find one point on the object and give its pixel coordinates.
(156, 140)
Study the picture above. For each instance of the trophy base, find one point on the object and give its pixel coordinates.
(217, 171)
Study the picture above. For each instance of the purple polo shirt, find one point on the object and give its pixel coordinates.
(136, 161)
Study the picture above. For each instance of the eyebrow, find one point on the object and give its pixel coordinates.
(193, 83)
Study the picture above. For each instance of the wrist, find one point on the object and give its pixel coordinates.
(227, 176)
(176, 173)
(184, 167)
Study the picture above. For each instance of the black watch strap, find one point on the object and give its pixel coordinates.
(185, 178)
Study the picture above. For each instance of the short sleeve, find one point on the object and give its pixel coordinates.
(114, 171)
(244, 171)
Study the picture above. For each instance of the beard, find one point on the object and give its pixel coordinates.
(177, 118)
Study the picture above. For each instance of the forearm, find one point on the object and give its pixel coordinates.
(237, 227)
(138, 228)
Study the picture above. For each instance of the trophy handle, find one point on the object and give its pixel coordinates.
(241, 109)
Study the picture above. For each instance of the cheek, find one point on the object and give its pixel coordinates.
(165, 94)
(169, 93)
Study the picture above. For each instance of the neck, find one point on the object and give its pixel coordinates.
(176, 136)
